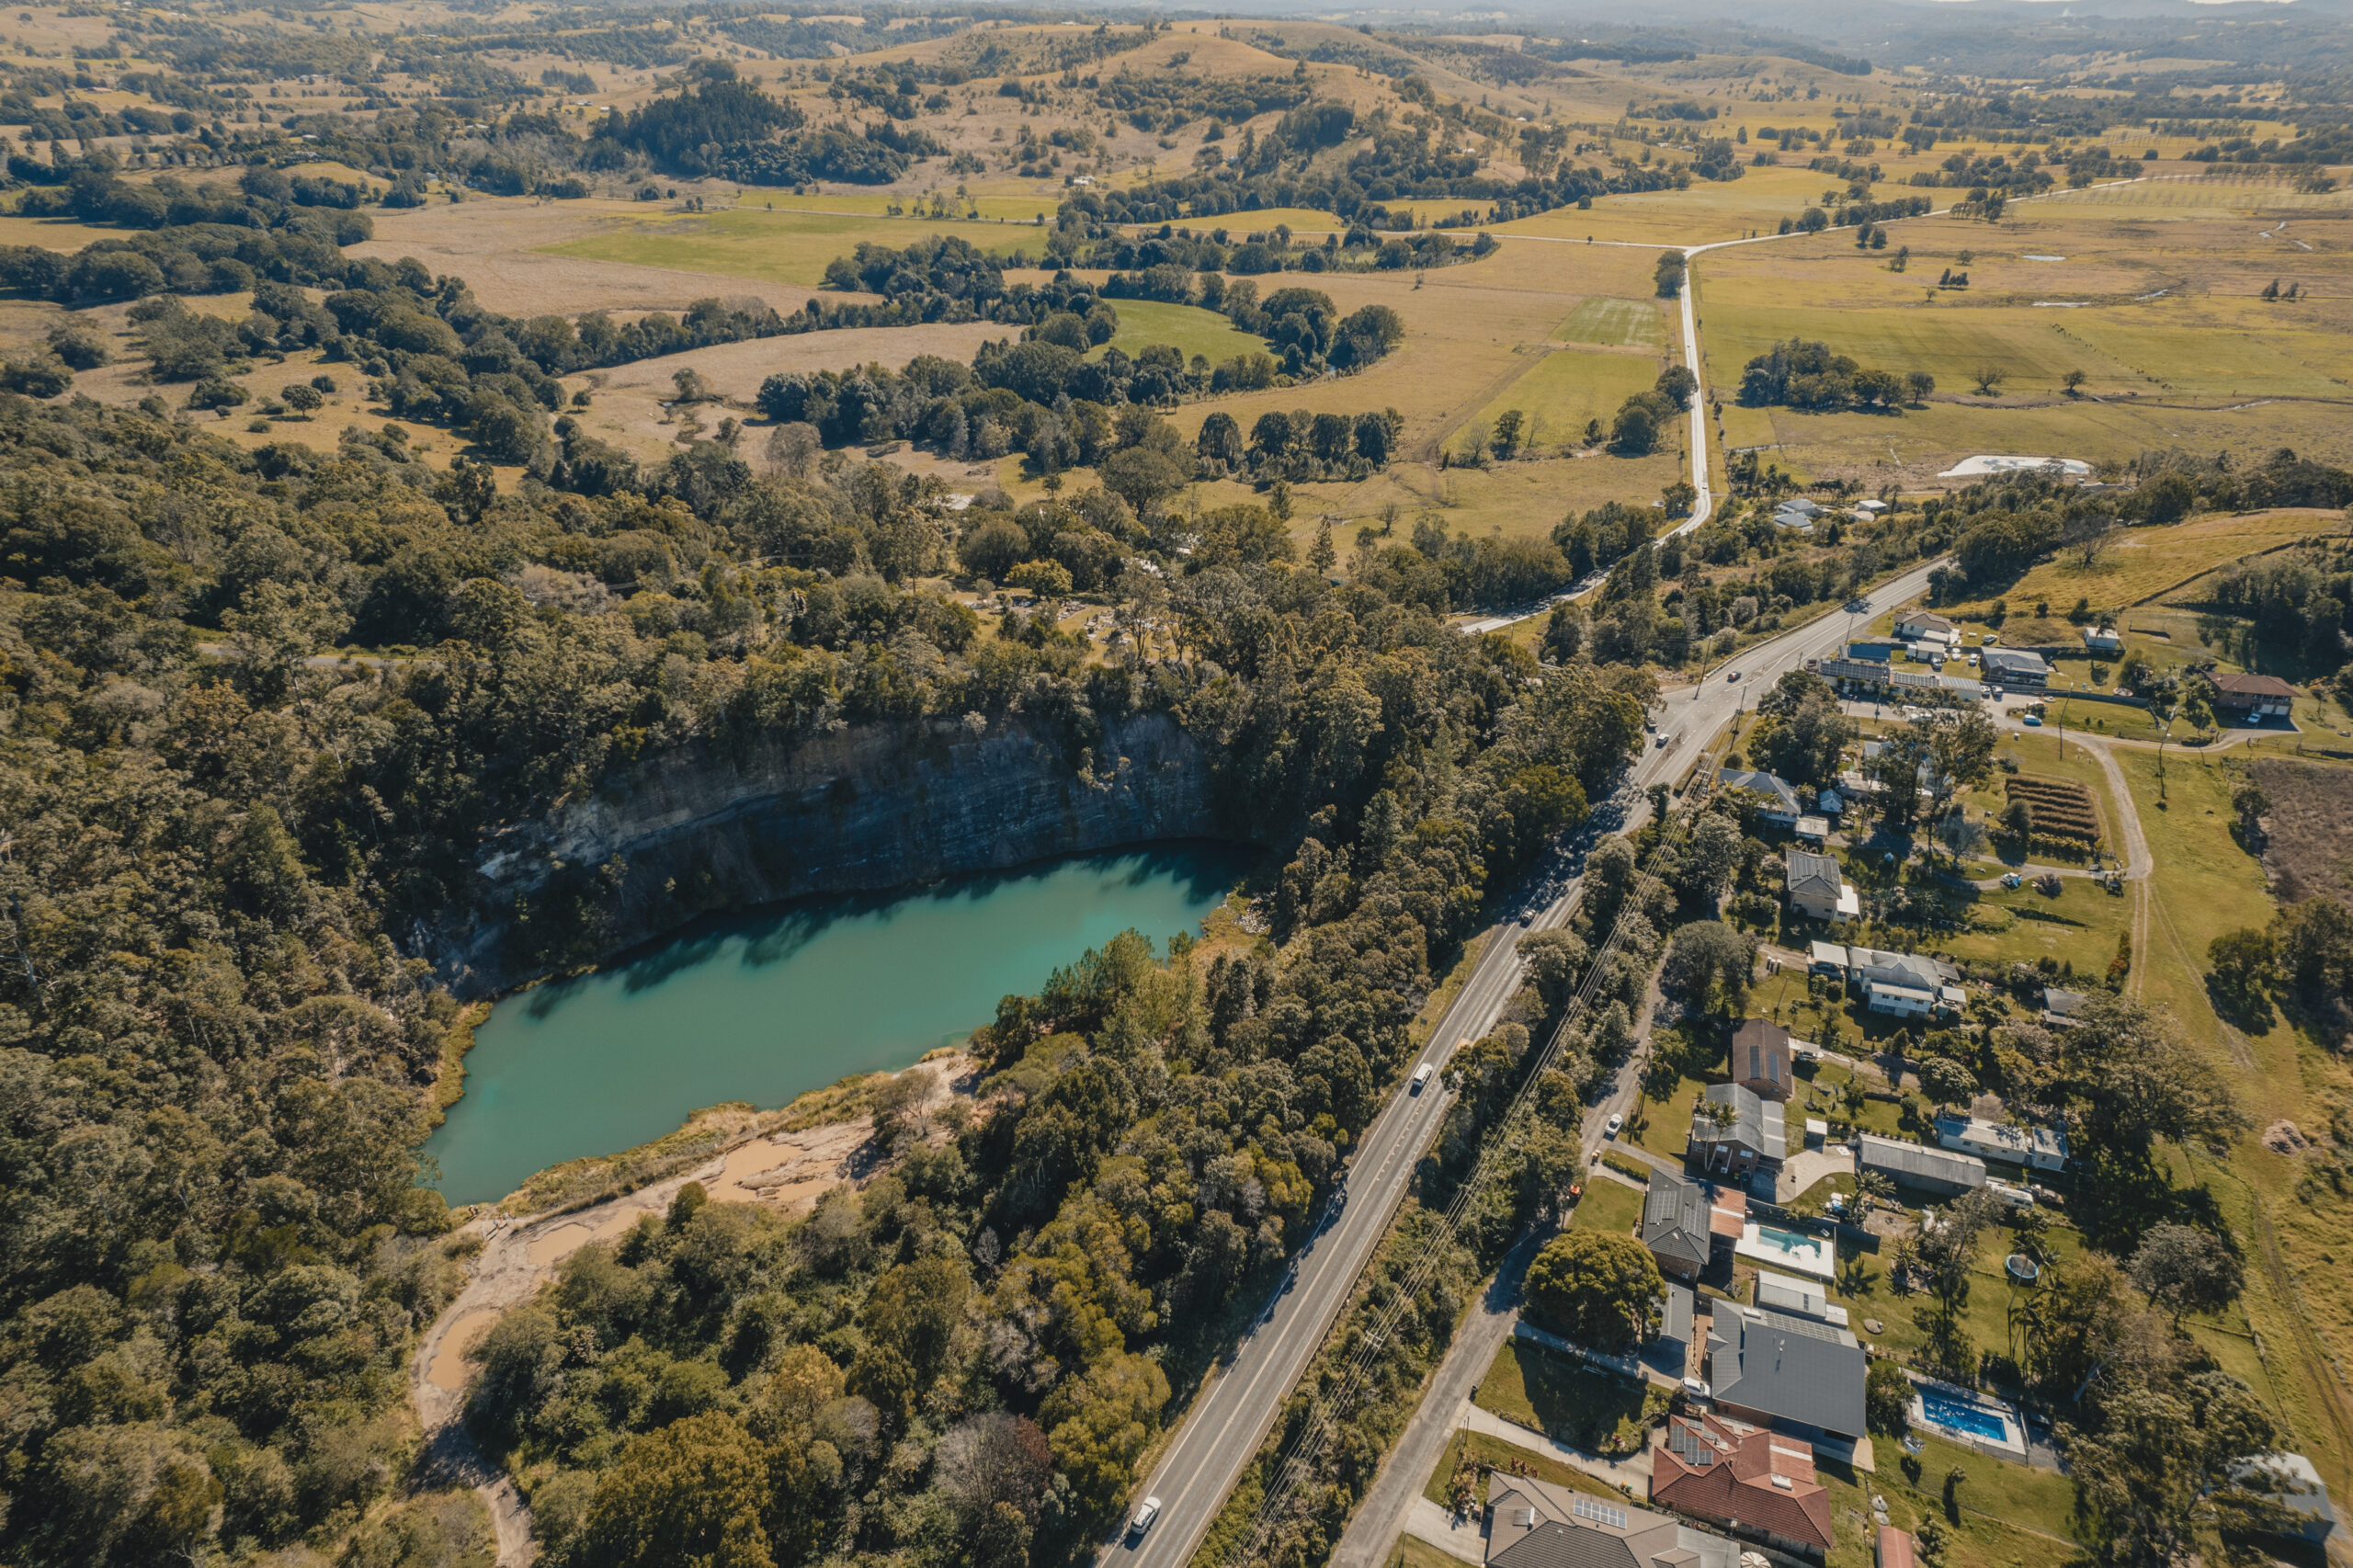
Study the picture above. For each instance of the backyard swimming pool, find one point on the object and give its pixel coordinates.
(1939, 1408)
(1792, 1250)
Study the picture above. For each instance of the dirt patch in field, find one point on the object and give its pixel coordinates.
(2309, 829)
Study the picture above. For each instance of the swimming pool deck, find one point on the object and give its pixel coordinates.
(1818, 1259)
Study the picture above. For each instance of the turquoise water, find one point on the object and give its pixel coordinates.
(1790, 1242)
(1940, 1409)
(767, 1004)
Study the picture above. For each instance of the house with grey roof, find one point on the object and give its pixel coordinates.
(2060, 1006)
(1817, 886)
(1916, 623)
(1678, 1315)
(1736, 1132)
(2010, 667)
(2292, 1482)
(1534, 1524)
(1674, 1225)
(1941, 1171)
(1777, 799)
(1798, 1374)
(1761, 1060)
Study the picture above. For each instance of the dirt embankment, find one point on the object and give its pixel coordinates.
(784, 1170)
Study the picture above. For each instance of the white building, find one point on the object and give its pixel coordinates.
(2041, 1148)
(2102, 639)
(1799, 1298)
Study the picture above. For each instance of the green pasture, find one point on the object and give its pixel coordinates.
(780, 247)
(1567, 389)
(1192, 330)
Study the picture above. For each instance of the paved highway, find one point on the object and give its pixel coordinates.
(1232, 1417)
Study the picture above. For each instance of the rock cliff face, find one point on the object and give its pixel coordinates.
(860, 810)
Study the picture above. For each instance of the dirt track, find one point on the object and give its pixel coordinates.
(786, 1170)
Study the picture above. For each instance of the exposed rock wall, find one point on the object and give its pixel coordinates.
(859, 809)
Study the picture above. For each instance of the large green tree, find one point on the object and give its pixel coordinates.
(1597, 1289)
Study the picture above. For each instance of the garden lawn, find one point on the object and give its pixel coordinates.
(2008, 1516)
(1664, 1128)
(1607, 1206)
(1412, 1551)
(2077, 929)
(1500, 1454)
(1561, 1397)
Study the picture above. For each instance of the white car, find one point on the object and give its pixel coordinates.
(1972, 661)
(1421, 1077)
(1146, 1515)
(1617, 1120)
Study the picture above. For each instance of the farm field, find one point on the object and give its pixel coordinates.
(1146, 322)
(2147, 564)
(1703, 214)
(2299, 1301)
(1567, 388)
(2162, 276)
(1614, 323)
(779, 247)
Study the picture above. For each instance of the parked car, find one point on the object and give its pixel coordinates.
(1972, 661)
(1617, 1120)
(2034, 721)
(1989, 639)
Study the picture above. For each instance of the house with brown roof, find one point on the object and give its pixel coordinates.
(1750, 1479)
(1761, 1059)
(1534, 1524)
(2252, 700)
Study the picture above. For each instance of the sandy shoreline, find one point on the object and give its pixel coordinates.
(783, 1171)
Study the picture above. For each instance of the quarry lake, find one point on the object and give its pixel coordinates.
(767, 1005)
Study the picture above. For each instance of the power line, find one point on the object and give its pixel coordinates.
(1307, 1444)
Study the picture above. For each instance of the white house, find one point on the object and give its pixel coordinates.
(2102, 639)
(1914, 624)
(1899, 1000)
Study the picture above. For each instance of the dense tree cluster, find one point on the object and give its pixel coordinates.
(1047, 396)
(239, 1075)
(1811, 376)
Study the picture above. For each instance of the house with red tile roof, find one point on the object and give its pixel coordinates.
(1752, 1480)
